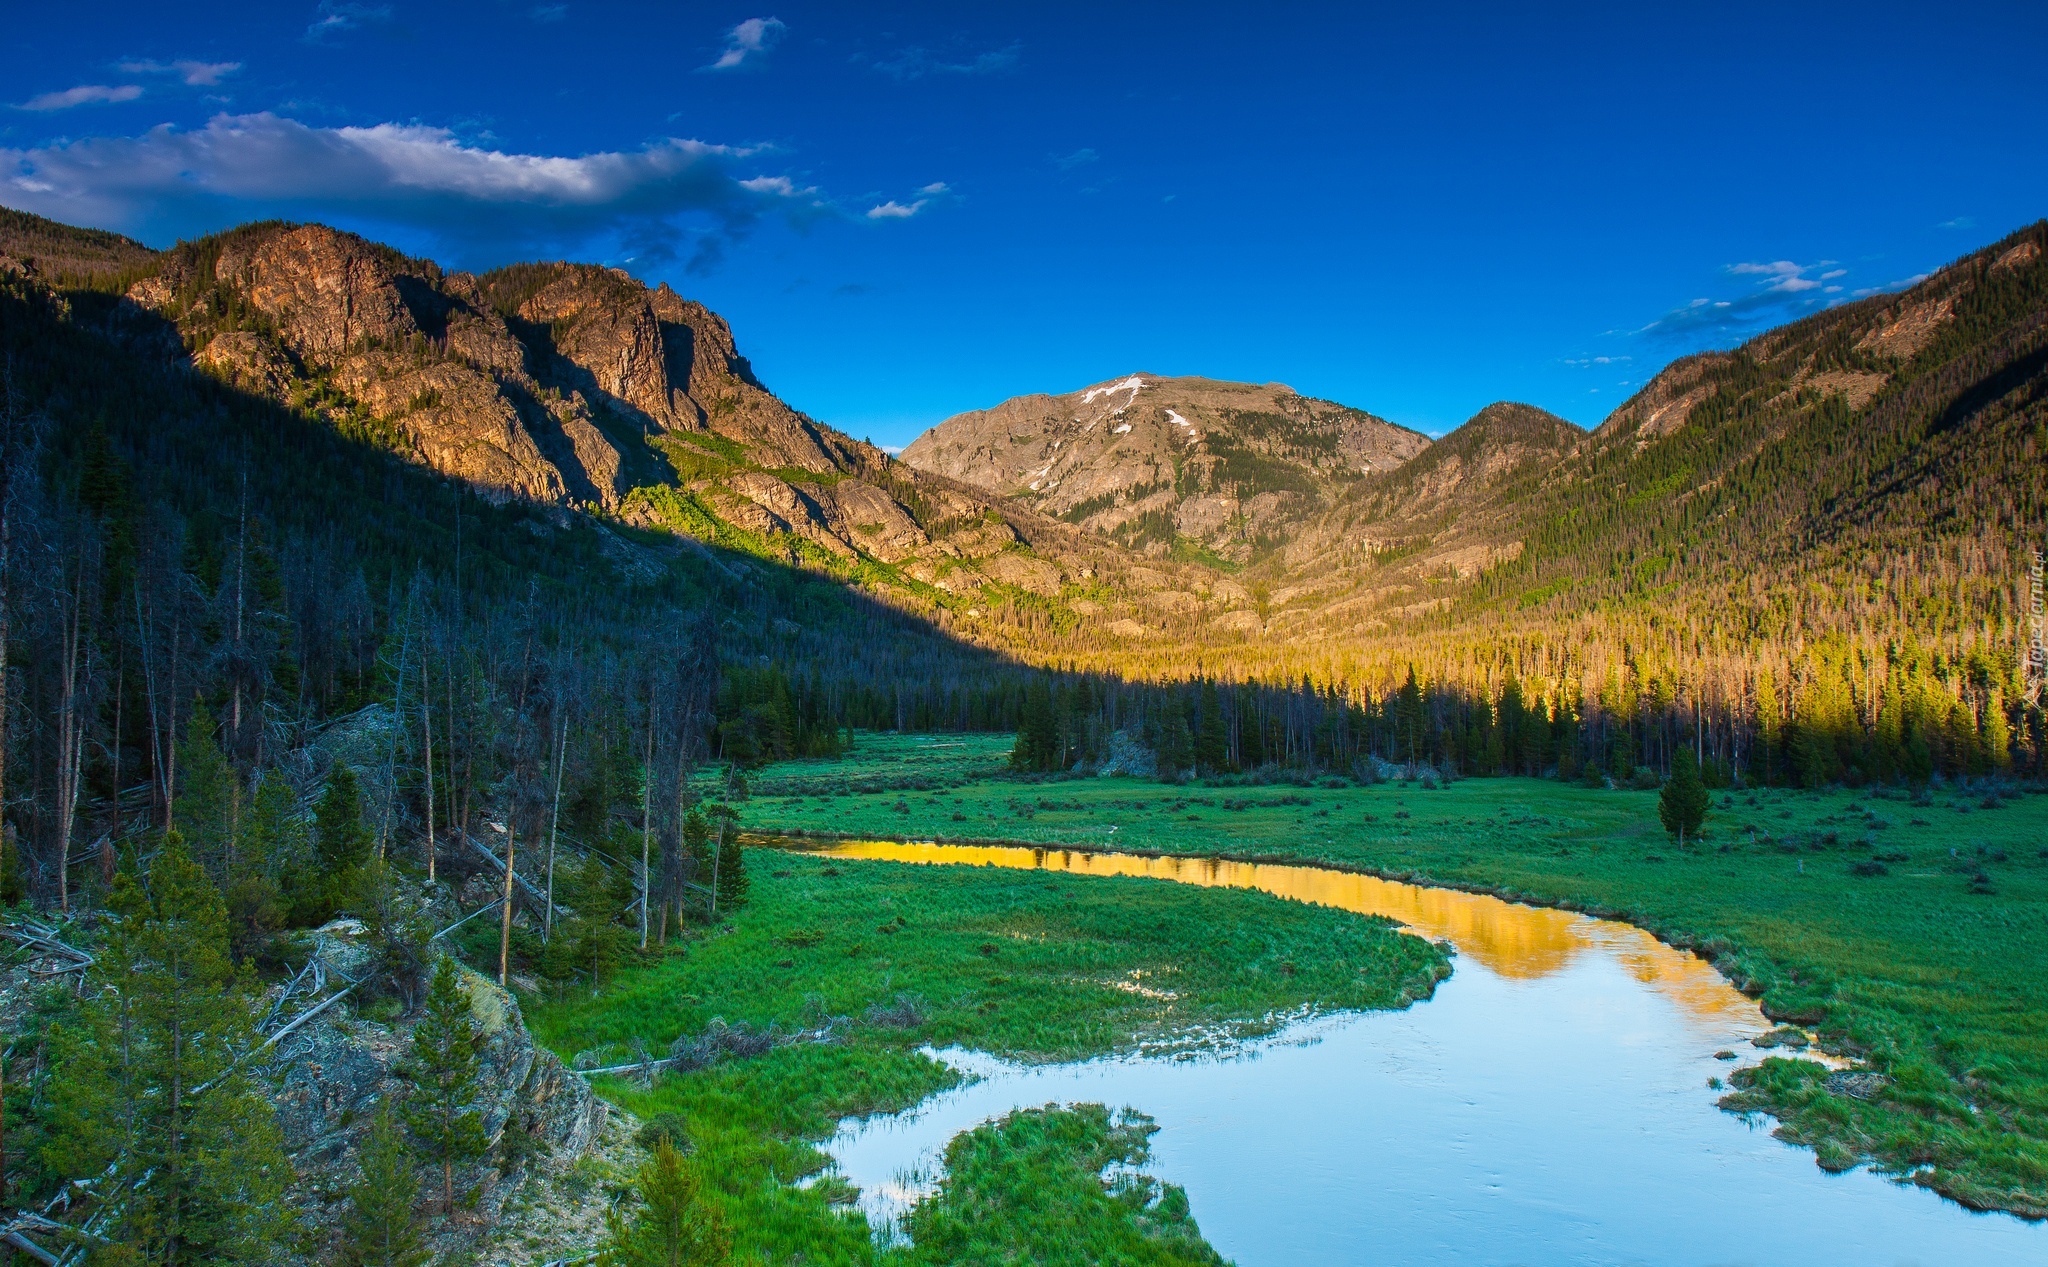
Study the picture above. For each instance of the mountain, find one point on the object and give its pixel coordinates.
(1880, 461)
(1454, 503)
(61, 255)
(1232, 468)
(579, 388)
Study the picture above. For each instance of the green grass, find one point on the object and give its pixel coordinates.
(1030, 1188)
(1934, 977)
(1022, 963)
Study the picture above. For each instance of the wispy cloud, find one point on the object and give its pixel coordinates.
(655, 201)
(1780, 290)
(1068, 162)
(83, 95)
(1583, 362)
(1960, 222)
(1901, 284)
(194, 74)
(916, 63)
(548, 12)
(1780, 277)
(894, 210)
(749, 43)
(338, 16)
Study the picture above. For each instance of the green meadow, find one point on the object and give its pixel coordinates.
(1906, 927)
(836, 972)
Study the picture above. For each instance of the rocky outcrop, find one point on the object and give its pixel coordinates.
(539, 1117)
(578, 387)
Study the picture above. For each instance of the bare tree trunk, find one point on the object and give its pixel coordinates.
(717, 855)
(555, 826)
(647, 822)
(427, 724)
(241, 561)
(7, 463)
(397, 725)
(505, 924)
(171, 727)
(68, 738)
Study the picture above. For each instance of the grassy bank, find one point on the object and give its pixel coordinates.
(889, 957)
(1909, 930)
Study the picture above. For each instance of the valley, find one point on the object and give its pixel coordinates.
(408, 618)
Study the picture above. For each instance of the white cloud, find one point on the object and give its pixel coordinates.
(750, 39)
(337, 16)
(83, 95)
(1783, 289)
(548, 12)
(1780, 276)
(244, 166)
(195, 74)
(937, 191)
(1068, 162)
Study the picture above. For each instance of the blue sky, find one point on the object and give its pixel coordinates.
(911, 210)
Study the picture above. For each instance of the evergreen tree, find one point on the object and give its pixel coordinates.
(1176, 746)
(382, 1226)
(271, 865)
(676, 1226)
(1813, 755)
(1212, 739)
(1769, 724)
(1995, 735)
(1408, 725)
(340, 837)
(697, 837)
(1037, 746)
(153, 1086)
(274, 840)
(590, 941)
(1683, 804)
(205, 812)
(442, 1115)
(732, 871)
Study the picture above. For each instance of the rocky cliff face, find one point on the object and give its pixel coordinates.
(577, 386)
(1147, 459)
(540, 1120)
(553, 405)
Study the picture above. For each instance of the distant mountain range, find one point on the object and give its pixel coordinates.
(1138, 522)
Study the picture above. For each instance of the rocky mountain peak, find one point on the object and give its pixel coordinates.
(1152, 460)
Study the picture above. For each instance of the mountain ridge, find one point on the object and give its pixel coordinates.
(1150, 460)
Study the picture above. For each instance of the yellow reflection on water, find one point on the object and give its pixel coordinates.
(1522, 942)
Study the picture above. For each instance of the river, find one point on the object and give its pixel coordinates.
(1549, 1105)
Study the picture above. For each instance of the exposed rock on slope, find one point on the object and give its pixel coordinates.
(539, 1118)
(1146, 459)
(1451, 510)
(577, 386)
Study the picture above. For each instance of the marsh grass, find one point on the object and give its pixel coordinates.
(1058, 1187)
(890, 957)
(1932, 969)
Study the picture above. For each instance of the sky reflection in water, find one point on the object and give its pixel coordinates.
(1549, 1105)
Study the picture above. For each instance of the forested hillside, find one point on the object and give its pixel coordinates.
(1809, 558)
